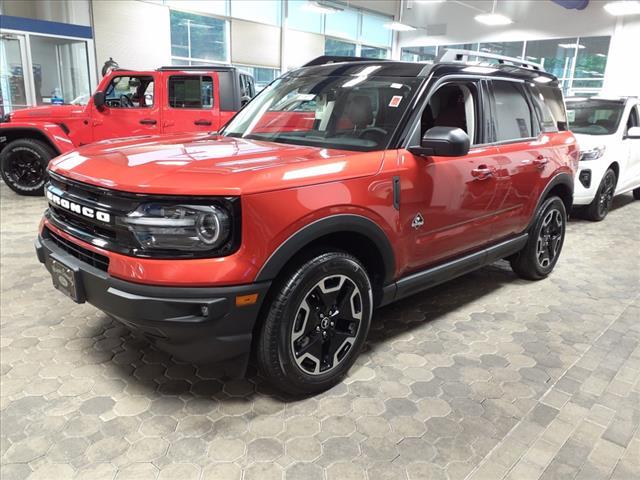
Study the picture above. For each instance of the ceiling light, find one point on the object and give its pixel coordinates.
(493, 19)
(601, 55)
(318, 7)
(629, 7)
(541, 79)
(429, 1)
(398, 27)
(570, 45)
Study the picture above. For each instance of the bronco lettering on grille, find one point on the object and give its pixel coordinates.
(79, 209)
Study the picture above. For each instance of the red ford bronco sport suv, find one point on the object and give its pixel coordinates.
(343, 186)
(127, 103)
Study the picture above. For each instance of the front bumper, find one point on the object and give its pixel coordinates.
(195, 324)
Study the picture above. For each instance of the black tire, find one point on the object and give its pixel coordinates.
(23, 164)
(301, 324)
(546, 237)
(636, 193)
(598, 209)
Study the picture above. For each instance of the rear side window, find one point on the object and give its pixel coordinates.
(191, 91)
(513, 115)
(552, 97)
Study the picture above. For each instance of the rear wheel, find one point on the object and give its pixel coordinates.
(23, 164)
(316, 324)
(601, 204)
(538, 257)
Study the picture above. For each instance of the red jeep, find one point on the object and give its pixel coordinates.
(343, 186)
(127, 103)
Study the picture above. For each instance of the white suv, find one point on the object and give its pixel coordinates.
(608, 133)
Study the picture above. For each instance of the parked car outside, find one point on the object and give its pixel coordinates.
(608, 132)
(127, 103)
(343, 186)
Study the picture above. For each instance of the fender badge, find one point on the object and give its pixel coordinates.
(418, 221)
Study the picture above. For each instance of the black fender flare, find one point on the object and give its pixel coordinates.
(560, 179)
(341, 223)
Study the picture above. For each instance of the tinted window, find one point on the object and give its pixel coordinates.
(190, 92)
(553, 99)
(513, 116)
(548, 121)
(452, 105)
(130, 92)
(595, 117)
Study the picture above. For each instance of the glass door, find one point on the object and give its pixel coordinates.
(14, 89)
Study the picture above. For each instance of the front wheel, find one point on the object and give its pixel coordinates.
(542, 250)
(601, 204)
(316, 324)
(23, 164)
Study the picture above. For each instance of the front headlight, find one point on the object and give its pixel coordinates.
(592, 154)
(193, 228)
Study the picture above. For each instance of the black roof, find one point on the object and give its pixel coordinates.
(212, 66)
(337, 66)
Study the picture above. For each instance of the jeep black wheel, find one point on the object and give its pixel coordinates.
(598, 209)
(546, 237)
(316, 324)
(23, 164)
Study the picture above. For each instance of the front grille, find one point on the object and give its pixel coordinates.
(83, 254)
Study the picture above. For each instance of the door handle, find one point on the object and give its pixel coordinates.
(202, 122)
(148, 121)
(482, 172)
(540, 161)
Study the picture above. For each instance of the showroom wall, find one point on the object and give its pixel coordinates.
(450, 23)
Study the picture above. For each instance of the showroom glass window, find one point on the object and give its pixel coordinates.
(60, 70)
(130, 92)
(190, 91)
(591, 61)
(343, 24)
(338, 47)
(419, 54)
(513, 115)
(300, 16)
(373, 52)
(508, 49)
(198, 37)
(262, 11)
(374, 32)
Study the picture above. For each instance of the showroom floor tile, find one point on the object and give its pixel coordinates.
(486, 377)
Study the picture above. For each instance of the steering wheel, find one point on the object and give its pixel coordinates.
(375, 134)
(125, 101)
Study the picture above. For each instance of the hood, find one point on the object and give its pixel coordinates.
(589, 142)
(199, 164)
(47, 112)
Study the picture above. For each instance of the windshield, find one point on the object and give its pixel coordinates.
(345, 112)
(593, 117)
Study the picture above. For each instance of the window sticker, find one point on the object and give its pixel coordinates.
(395, 101)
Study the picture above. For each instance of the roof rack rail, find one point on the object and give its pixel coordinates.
(224, 66)
(457, 55)
(326, 59)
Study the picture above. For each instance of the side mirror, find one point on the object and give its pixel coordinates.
(99, 100)
(633, 132)
(443, 142)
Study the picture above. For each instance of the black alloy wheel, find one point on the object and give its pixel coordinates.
(326, 324)
(24, 166)
(314, 323)
(544, 244)
(550, 238)
(598, 209)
